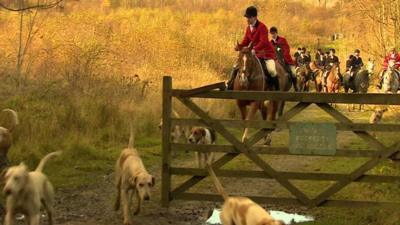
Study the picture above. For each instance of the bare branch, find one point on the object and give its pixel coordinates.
(37, 6)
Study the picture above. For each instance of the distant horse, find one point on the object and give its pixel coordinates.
(318, 76)
(391, 79)
(359, 82)
(333, 80)
(303, 74)
(251, 78)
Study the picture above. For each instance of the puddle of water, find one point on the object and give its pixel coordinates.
(287, 218)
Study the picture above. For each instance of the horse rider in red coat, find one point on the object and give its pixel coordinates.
(392, 56)
(257, 33)
(282, 50)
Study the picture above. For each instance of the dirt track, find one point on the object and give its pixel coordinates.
(92, 205)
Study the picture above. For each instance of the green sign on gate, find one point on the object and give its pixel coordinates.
(312, 138)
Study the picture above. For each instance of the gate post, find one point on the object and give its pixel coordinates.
(166, 141)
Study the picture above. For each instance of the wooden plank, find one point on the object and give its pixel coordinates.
(284, 118)
(259, 124)
(244, 149)
(288, 175)
(293, 202)
(255, 138)
(221, 86)
(266, 150)
(298, 108)
(166, 141)
(371, 98)
(356, 174)
(196, 179)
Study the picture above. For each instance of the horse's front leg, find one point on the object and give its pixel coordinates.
(242, 108)
(250, 115)
(272, 109)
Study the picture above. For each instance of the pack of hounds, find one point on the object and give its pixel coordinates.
(29, 192)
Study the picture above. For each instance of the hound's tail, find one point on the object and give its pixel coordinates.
(131, 143)
(217, 183)
(15, 120)
(43, 162)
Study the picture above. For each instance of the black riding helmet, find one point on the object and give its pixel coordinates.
(273, 30)
(251, 12)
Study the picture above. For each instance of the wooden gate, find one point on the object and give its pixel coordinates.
(252, 152)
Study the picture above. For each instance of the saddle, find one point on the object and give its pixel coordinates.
(397, 72)
(264, 69)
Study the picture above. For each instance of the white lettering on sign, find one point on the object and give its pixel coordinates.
(312, 138)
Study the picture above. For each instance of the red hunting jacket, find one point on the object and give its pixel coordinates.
(259, 37)
(389, 57)
(282, 43)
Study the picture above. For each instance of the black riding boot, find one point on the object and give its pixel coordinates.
(379, 85)
(232, 78)
(313, 76)
(294, 81)
(341, 79)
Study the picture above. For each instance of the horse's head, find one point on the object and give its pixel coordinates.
(388, 76)
(247, 62)
(371, 67)
(313, 66)
(335, 71)
(302, 73)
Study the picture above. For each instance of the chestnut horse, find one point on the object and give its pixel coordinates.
(318, 76)
(303, 74)
(333, 80)
(251, 78)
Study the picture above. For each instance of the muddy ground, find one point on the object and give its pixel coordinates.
(92, 204)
